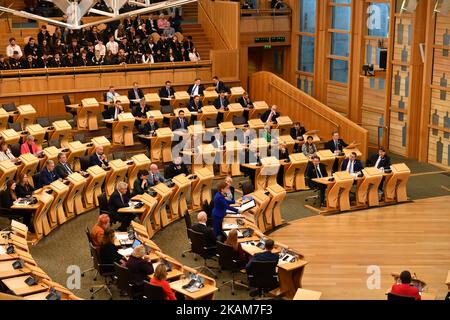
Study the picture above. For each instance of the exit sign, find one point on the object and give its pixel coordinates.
(270, 39)
(267, 46)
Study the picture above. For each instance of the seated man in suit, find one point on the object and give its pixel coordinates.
(180, 123)
(119, 199)
(111, 94)
(140, 109)
(246, 103)
(201, 227)
(154, 177)
(405, 288)
(380, 161)
(316, 170)
(352, 165)
(47, 175)
(175, 168)
(150, 127)
(196, 89)
(63, 169)
(166, 92)
(135, 93)
(221, 103)
(335, 145)
(296, 133)
(220, 86)
(113, 111)
(98, 158)
(195, 105)
(271, 115)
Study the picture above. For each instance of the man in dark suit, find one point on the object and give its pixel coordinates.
(63, 169)
(316, 170)
(221, 103)
(245, 102)
(154, 177)
(114, 111)
(98, 158)
(270, 115)
(166, 92)
(379, 160)
(180, 123)
(297, 132)
(175, 168)
(47, 175)
(201, 227)
(335, 145)
(351, 164)
(220, 86)
(267, 255)
(150, 127)
(140, 110)
(196, 89)
(119, 199)
(195, 105)
(135, 93)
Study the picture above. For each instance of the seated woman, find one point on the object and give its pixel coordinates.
(29, 146)
(140, 185)
(159, 279)
(140, 267)
(108, 251)
(7, 198)
(232, 241)
(309, 149)
(175, 168)
(5, 153)
(98, 231)
(24, 189)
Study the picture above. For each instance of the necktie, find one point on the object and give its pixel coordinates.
(181, 123)
(136, 94)
(319, 174)
(68, 168)
(121, 198)
(270, 116)
(193, 89)
(336, 145)
(350, 167)
(168, 93)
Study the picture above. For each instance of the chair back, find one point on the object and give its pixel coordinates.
(198, 243)
(123, 282)
(210, 124)
(88, 234)
(228, 258)
(15, 150)
(153, 292)
(84, 162)
(95, 257)
(54, 143)
(9, 107)
(187, 221)
(393, 296)
(103, 203)
(79, 137)
(237, 120)
(263, 274)
(36, 180)
(120, 155)
(66, 99)
(17, 126)
(166, 109)
(104, 96)
(43, 122)
(247, 187)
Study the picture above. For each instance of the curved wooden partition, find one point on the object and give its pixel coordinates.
(301, 107)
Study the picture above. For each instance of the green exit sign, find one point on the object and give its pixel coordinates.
(262, 40)
(267, 46)
(270, 39)
(278, 39)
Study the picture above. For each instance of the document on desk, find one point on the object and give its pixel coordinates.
(2, 250)
(121, 236)
(125, 252)
(230, 226)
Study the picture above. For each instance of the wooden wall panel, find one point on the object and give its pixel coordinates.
(337, 97)
(228, 67)
(302, 107)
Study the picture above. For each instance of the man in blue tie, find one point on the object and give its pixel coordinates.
(196, 89)
(166, 93)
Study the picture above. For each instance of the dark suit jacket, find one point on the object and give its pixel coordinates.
(137, 187)
(222, 87)
(176, 124)
(61, 171)
(131, 95)
(311, 171)
(173, 171)
(109, 255)
(46, 177)
(137, 111)
(283, 155)
(263, 256)
(332, 147)
(110, 112)
(217, 102)
(115, 202)
(384, 163)
(23, 191)
(244, 102)
(194, 108)
(297, 133)
(6, 200)
(147, 128)
(201, 88)
(210, 238)
(164, 94)
(357, 166)
(95, 161)
(139, 270)
(266, 114)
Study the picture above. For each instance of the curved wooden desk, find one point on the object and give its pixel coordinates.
(28, 166)
(178, 202)
(395, 187)
(139, 162)
(94, 186)
(294, 172)
(87, 114)
(7, 171)
(367, 187)
(201, 187)
(116, 173)
(164, 193)
(56, 212)
(74, 200)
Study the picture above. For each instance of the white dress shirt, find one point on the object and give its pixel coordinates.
(113, 47)
(10, 50)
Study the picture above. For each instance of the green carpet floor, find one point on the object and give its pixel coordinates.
(66, 246)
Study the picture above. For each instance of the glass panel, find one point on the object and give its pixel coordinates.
(343, 1)
(341, 18)
(306, 54)
(338, 70)
(308, 16)
(340, 44)
(378, 19)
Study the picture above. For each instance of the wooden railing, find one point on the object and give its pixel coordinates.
(220, 20)
(301, 107)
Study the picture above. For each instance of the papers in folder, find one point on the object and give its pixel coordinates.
(248, 205)
(125, 252)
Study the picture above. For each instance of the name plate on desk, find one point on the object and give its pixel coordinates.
(26, 109)
(28, 158)
(127, 116)
(95, 170)
(89, 102)
(298, 158)
(76, 178)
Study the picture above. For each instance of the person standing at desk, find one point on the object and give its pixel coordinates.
(380, 161)
(98, 158)
(140, 185)
(219, 85)
(351, 164)
(221, 205)
(336, 145)
(155, 177)
(283, 154)
(405, 288)
(24, 188)
(135, 93)
(314, 170)
(119, 199)
(166, 92)
(47, 175)
(63, 169)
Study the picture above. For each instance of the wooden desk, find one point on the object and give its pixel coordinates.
(131, 210)
(37, 131)
(230, 163)
(255, 124)
(181, 99)
(367, 188)
(236, 93)
(122, 130)
(205, 293)
(94, 186)
(4, 118)
(208, 113)
(327, 158)
(87, 114)
(28, 165)
(338, 191)
(203, 157)
(10, 136)
(100, 141)
(294, 172)
(234, 110)
(209, 97)
(262, 201)
(272, 214)
(226, 127)
(266, 173)
(171, 117)
(288, 141)
(8, 170)
(7, 270)
(57, 213)
(124, 101)
(178, 201)
(283, 123)
(62, 130)
(18, 286)
(74, 200)
(150, 219)
(161, 146)
(153, 100)
(76, 151)
(164, 193)
(201, 187)
(159, 117)
(395, 185)
(303, 294)
(50, 153)
(26, 115)
(259, 107)
(139, 162)
(116, 173)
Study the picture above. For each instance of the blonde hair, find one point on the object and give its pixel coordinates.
(139, 252)
(160, 272)
(232, 239)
